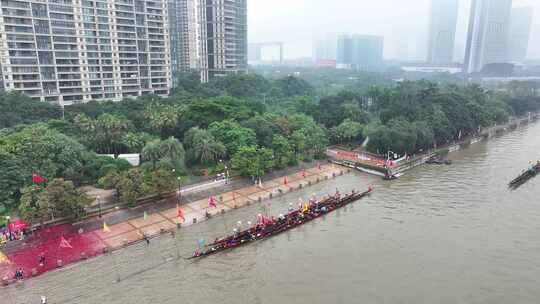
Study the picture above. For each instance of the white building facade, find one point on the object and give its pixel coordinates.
(223, 37)
(487, 35)
(70, 51)
(519, 34)
(184, 33)
(442, 31)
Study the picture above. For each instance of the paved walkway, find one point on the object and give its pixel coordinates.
(129, 226)
(133, 230)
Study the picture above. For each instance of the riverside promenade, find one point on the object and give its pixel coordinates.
(378, 165)
(70, 243)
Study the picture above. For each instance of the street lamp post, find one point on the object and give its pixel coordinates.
(179, 192)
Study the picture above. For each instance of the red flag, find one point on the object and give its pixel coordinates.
(212, 202)
(37, 179)
(285, 181)
(64, 243)
(180, 214)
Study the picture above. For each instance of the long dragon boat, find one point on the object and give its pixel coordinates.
(268, 227)
(525, 176)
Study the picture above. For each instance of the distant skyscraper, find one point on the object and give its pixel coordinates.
(520, 31)
(325, 50)
(487, 35)
(184, 34)
(254, 53)
(223, 37)
(360, 52)
(442, 31)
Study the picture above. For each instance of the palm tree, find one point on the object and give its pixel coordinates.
(207, 149)
(134, 142)
(109, 131)
(173, 149)
(152, 152)
(170, 149)
(162, 117)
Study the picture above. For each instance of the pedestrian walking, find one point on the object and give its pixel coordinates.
(147, 240)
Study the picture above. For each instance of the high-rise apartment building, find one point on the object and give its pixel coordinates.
(325, 50)
(360, 52)
(442, 31)
(223, 37)
(487, 35)
(184, 33)
(67, 51)
(519, 34)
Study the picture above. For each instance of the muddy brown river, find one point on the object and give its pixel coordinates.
(440, 234)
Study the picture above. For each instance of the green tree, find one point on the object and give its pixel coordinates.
(129, 185)
(425, 136)
(316, 141)
(29, 207)
(252, 161)
(163, 118)
(60, 199)
(135, 142)
(19, 109)
(12, 179)
(152, 152)
(105, 133)
(203, 147)
(169, 150)
(242, 85)
(44, 151)
(292, 86)
(282, 150)
(347, 131)
(202, 112)
(232, 135)
(162, 182)
(109, 130)
(264, 128)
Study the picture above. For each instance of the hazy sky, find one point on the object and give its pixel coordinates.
(403, 23)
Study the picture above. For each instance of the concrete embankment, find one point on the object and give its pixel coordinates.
(377, 165)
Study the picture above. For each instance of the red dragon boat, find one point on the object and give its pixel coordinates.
(268, 227)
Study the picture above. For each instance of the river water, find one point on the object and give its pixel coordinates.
(440, 234)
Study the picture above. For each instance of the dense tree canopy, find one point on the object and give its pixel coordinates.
(251, 122)
(20, 109)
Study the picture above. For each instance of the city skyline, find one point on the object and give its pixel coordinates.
(487, 35)
(442, 31)
(376, 18)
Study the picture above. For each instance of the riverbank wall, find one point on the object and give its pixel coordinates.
(353, 159)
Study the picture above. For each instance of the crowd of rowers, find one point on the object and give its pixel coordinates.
(267, 226)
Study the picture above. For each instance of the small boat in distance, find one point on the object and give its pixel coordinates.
(438, 161)
(525, 176)
(268, 227)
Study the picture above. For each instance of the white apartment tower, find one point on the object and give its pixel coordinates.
(442, 32)
(69, 51)
(519, 34)
(184, 33)
(223, 37)
(487, 36)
